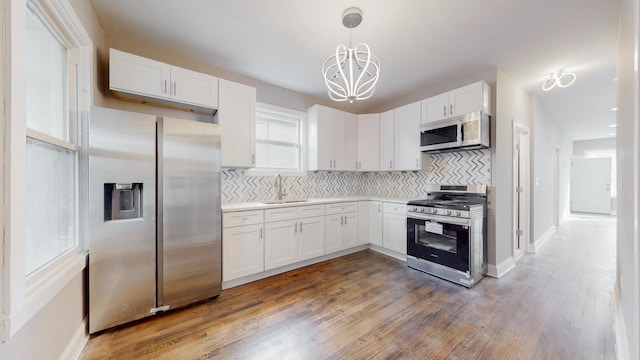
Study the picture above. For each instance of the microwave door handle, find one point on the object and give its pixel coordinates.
(460, 139)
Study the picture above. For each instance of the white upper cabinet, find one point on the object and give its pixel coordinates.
(327, 140)
(464, 100)
(351, 142)
(237, 118)
(136, 77)
(407, 137)
(387, 140)
(368, 142)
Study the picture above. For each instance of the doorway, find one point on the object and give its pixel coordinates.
(521, 188)
(556, 187)
(591, 185)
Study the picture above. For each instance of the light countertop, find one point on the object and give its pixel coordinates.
(270, 204)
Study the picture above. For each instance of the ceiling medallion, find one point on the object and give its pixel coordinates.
(352, 73)
(560, 79)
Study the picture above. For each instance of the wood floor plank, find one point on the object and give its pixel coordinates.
(555, 304)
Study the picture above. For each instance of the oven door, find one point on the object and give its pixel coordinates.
(439, 239)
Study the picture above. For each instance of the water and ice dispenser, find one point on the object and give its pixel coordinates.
(123, 201)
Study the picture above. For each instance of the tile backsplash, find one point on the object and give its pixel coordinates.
(454, 168)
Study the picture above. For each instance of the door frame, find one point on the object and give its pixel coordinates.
(520, 221)
(556, 186)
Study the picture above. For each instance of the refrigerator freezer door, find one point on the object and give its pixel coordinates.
(122, 271)
(190, 233)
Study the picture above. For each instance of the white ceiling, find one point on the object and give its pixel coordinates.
(421, 44)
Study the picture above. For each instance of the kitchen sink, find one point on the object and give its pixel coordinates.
(283, 201)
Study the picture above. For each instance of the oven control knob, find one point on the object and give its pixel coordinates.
(421, 210)
(458, 213)
(449, 212)
(434, 211)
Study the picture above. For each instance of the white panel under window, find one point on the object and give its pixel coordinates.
(50, 203)
(46, 74)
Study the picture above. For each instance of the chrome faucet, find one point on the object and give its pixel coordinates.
(278, 183)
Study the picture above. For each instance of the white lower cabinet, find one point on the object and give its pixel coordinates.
(242, 244)
(341, 226)
(375, 223)
(298, 234)
(394, 227)
(364, 222)
(280, 243)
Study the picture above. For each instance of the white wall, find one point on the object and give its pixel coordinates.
(512, 104)
(547, 137)
(627, 299)
(579, 146)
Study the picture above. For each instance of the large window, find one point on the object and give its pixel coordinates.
(51, 157)
(278, 138)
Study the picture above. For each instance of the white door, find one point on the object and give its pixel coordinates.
(350, 231)
(351, 142)
(237, 118)
(435, 108)
(395, 233)
(375, 223)
(363, 221)
(369, 142)
(138, 75)
(387, 140)
(407, 137)
(521, 156)
(466, 99)
(311, 238)
(242, 251)
(193, 87)
(280, 243)
(591, 185)
(333, 233)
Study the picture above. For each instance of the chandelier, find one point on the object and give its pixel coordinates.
(560, 79)
(352, 73)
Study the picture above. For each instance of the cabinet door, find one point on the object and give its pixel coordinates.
(387, 140)
(242, 251)
(328, 130)
(466, 99)
(375, 223)
(350, 231)
(407, 137)
(138, 75)
(280, 243)
(369, 142)
(435, 108)
(195, 88)
(333, 233)
(311, 238)
(237, 118)
(395, 233)
(364, 209)
(351, 142)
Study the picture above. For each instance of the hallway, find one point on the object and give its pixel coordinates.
(555, 304)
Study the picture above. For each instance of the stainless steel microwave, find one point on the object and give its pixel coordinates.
(466, 132)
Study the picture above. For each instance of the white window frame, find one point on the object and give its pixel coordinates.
(303, 143)
(23, 297)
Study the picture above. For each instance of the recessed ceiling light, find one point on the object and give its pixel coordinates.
(613, 125)
(614, 109)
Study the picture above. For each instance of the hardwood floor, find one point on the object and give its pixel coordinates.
(555, 304)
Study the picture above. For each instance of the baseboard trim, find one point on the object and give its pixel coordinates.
(265, 274)
(622, 343)
(76, 345)
(388, 252)
(542, 240)
(500, 270)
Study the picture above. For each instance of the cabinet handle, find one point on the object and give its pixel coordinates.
(295, 228)
(341, 220)
(379, 207)
(356, 165)
(450, 109)
(416, 162)
(390, 164)
(260, 236)
(253, 159)
(444, 110)
(175, 88)
(165, 87)
(300, 226)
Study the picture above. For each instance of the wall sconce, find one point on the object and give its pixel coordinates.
(560, 79)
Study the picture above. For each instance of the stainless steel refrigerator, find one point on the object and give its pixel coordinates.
(155, 217)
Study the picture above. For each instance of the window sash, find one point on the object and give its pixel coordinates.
(267, 139)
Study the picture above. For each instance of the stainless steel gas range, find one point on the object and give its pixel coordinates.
(446, 232)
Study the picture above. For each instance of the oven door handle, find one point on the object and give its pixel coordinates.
(438, 218)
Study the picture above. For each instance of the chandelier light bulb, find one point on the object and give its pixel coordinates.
(560, 79)
(352, 73)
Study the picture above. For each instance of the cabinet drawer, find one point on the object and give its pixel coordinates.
(394, 208)
(240, 218)
(310, 211)
(340, 208)
(280, 214)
